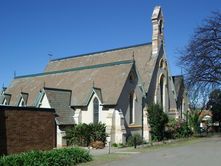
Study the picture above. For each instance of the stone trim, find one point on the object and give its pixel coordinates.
(135, 126)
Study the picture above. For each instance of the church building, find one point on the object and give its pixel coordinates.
(114, 87)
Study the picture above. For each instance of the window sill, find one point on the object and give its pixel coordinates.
(134, 126)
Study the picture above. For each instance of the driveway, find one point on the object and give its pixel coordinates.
(202, 153)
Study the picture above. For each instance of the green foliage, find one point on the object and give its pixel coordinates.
(136, 137)
(78, 135)
(97, 132)
(177, 129)
(215, 104)
(114, 145)
(157, 120)
(120, 145)
(194, 121)
(84, 134)
(57, 157)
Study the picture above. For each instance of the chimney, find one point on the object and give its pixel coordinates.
(157, 36)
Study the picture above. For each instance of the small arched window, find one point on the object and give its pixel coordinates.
(96, 110)
(161, 64)
(132, 76)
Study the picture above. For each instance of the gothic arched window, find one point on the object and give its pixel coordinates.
(162, 91)
(160, 26)
(132, 99)
(96, 110)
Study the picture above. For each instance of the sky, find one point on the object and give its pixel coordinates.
(30, 30)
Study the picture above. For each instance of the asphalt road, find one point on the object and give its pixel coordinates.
(204, 153)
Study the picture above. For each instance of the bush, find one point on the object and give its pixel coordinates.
(194, 121)
(97, 132)
(78, 135)
(157, 120)
(177, 129)
(85, 134)
(131, 140)
(57, 157)
(121, 145)
(114, 145)
(184, 131)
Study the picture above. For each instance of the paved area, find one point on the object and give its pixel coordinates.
(125, 150)
(106, 150)
(203, 153)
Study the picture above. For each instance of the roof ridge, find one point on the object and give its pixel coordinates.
(78, 68)
(98, 52)
(57, 89)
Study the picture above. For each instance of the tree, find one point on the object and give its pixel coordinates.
(194, 121)
(215, 104)
(201, 59)
(157, 120)
(198, 97)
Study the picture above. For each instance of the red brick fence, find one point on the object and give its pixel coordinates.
(26, 128)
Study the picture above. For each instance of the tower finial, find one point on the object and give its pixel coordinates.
(133, 56)
(157, 36)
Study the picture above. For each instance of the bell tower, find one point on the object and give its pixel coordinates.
(157, 35)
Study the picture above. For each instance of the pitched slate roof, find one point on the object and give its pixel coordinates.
(110, 77)
(179, 87)
(178, 83)
(106, 70)
(60, 100)
(141, 54)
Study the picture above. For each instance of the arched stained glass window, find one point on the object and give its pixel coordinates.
(96, 110)
(132, 99)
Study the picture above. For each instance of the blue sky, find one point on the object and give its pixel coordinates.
(32, 29)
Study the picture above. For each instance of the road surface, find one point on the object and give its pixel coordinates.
(206, 152)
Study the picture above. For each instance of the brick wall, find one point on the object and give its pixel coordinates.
(24, 129)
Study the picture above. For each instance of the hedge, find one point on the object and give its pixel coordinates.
(56, 157)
